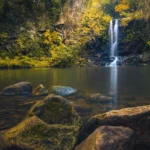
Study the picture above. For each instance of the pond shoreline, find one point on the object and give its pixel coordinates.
(45, 64)
(94, 60)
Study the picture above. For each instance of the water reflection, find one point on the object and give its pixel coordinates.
(129, 86)
(114, 84)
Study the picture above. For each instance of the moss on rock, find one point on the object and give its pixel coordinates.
(33, 133)
(51, 124)
(55, 110)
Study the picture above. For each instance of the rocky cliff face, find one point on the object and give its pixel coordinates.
(22, 24)
(81, 24)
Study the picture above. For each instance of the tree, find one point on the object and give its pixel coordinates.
(123, 6)
(1, 7)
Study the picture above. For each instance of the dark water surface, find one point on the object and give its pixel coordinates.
(129, 86)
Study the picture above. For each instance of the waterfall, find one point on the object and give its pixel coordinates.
(114, 63)
(113, 33)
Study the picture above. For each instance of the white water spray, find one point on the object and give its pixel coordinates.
(114, 31)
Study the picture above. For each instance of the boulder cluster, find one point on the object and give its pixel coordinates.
(53, 124)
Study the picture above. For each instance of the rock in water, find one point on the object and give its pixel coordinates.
(98, 97)
(21, 88)
(51, 124)
(109, 138)
(63, 90)
(40, 91)
(55, 110)
(136, 118)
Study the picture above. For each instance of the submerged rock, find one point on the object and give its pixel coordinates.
(136, 118)
(51, 124)
(63, 90)
(21, 88)
(98, 97)
(40, 90)
(109, 138)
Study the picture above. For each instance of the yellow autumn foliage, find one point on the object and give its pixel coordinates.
(121, 7)
(51, 38)
(61, 55)
(93, 24)
(125, 21)
(148, 43)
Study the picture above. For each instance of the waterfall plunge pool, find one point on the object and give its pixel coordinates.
(128, 86)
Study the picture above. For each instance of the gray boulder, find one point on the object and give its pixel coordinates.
(109, 138)
(63, 90)
(136, 118)
(21, 88)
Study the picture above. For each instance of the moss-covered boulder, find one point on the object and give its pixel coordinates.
(40, 91)
(51, 124)
(55, 110)
(136, 118)
(35, 134)
(109, 138)
(21, 88)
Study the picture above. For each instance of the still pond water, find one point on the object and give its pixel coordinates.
(128, 86)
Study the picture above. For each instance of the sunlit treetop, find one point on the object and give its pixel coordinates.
(123, 6)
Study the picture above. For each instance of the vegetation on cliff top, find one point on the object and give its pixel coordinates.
(62, 31)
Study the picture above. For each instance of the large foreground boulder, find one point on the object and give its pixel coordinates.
(51, 124)
(35, 134)
(109, 138)
(136, 118)
(21, 88)
(63, 90)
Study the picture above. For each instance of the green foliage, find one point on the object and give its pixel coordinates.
(3, 38)
(29, 44)
(30, 28)
(24, 62)
(136, 36)
(1, 6)
(61, 55)
(90, 30)
(148, 43)
(133, 10)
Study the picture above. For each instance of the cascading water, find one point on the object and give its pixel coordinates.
(113, 32)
